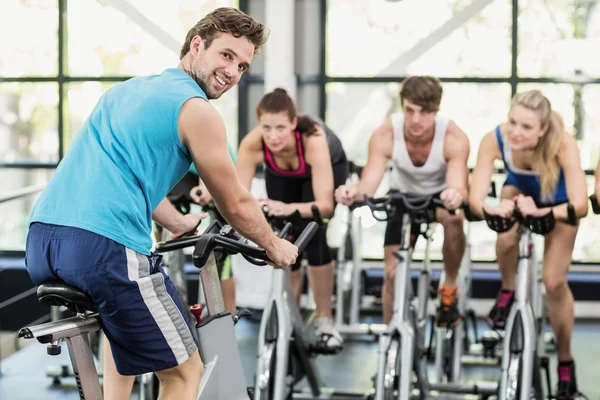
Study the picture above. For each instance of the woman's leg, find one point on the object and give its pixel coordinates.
(507, 253)
(558, 252)
(228, 285)
(320, 279)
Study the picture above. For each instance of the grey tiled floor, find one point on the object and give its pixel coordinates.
(23, 373)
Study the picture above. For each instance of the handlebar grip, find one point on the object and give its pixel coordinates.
(571, 217)
(305, 237)
(202, 251)
(316, 214)
(469, 214)
(377, 204)
(595, 205)
(176, 244)
(286, 230)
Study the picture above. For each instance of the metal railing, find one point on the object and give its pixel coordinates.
(26, 191)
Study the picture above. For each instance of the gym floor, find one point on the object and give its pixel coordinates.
(23, 374)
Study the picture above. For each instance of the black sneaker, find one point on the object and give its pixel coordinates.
(567, 384)
(448, 314)
(499, 313)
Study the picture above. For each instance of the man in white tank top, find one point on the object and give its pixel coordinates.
(429, 156)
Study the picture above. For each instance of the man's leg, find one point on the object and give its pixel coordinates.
(148, 330)
(116, 386)
(452, 252)
(181, 382)
(389, 265)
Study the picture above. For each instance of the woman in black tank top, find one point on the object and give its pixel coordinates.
(303, 164)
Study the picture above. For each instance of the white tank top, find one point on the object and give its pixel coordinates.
(427, 179)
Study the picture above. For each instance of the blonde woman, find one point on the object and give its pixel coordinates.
(544, 174)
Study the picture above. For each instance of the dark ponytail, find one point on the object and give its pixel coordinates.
(279, 101)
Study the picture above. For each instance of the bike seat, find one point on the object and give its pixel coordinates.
(58, 293)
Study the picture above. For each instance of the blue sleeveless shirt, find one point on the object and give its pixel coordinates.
(528, 181)
(123, 161)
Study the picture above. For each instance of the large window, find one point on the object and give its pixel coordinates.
(440, 37)
(28, 121)
(556, 38)
(55, 67)
(15, 213)
(372, 46)
(29, 32)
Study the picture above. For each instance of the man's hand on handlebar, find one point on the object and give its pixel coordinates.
(505, 209)
(282, 253)
(276, 208)
(451, 198)
(188, 224)
(346, 194)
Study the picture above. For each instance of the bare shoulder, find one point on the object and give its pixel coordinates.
(567, 142)
(456, 142)
(316, 139)
(196, 113)
(568, 149)
(382, 139)
(489, 147)
(253, 140)
(454, 134)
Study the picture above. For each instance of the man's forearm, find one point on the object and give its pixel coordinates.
(247, 218)
(167, 216)
(364, 189)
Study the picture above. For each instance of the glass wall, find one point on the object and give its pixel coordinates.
(483, 52)
(52, 76)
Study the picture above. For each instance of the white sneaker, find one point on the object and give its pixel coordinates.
(329, 339)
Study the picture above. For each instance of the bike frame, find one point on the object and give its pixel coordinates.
(522, 334)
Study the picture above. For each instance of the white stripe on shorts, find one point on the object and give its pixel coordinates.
(152, 287)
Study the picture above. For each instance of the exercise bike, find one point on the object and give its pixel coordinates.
(349, 281)
(285, 346)
(223, 377)
(454, 346)
(524, 347)
(402, 351)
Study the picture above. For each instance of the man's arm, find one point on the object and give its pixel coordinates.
(168, 217)
(202, 130)
(249, 156)
(381, 144)
(319, 159)
(456, 152)
(482, 173)
(570, 162)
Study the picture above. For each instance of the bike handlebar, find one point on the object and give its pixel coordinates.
(226, 239)
(288, 221)
(397, 203)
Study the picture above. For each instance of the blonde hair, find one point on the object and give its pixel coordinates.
(545, 156)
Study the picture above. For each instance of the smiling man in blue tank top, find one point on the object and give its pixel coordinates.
(429, 155)
(91, 226)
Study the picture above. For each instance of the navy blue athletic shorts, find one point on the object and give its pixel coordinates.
(141, 312)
